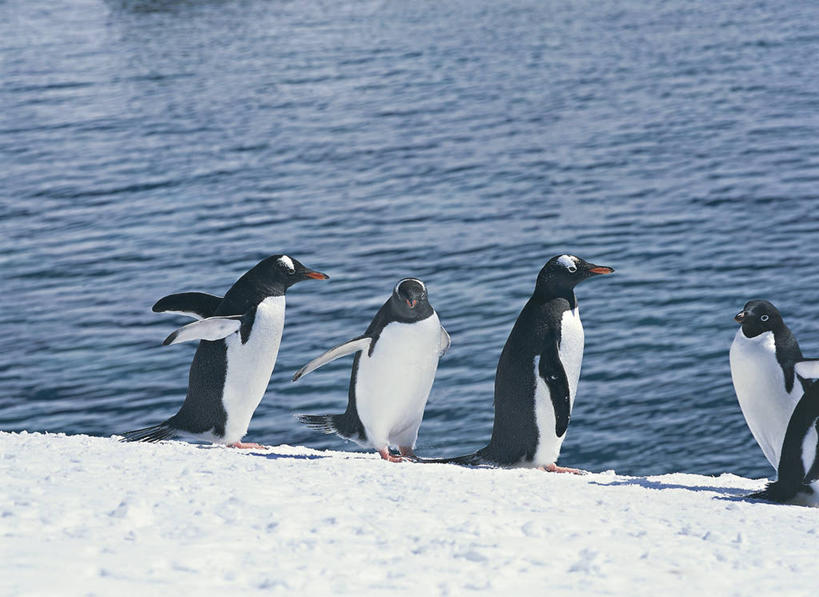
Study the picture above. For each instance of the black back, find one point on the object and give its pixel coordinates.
(514, 431)
(408, 303)
(758, 317)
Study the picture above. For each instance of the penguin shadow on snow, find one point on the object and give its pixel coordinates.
(736, 493)
(263, 452)
(271, 456)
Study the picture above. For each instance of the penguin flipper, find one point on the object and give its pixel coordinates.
(212, 328)
(809, 368)
(349, 347)
(193, 304)
(446, 342)
(551, 371)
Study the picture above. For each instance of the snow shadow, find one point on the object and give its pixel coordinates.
(269, 456)
(735, 493)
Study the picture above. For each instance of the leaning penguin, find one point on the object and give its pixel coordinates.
(773, 384)
(769, 374)
(393, 370)
(239, 338)
(538, 372)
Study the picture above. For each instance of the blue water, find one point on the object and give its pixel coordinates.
(150, 147)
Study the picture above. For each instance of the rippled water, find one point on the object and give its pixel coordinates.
(150, 147)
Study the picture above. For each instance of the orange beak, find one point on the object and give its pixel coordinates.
(316, 275)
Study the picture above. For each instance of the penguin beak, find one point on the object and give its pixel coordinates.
(412, 303)
(600, 269)
(739, 317)
(315, 275)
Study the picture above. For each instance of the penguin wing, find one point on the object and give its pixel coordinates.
(211, 328)
(809, 368)
(349, 347)
(446, 341)
(551, 371)
(193, 304)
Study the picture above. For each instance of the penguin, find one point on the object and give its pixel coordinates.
(393, 370)
(239, 338)
(798, 471)
(538, 372)
(769, 373)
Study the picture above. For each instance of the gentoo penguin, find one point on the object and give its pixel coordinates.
(239, 341)
(538, 371)
(798, 471)
(769, 374)
(393, 369)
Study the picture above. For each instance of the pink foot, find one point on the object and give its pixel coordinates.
(553, 468)
(247, 446)
(385, 454)
(407, 452)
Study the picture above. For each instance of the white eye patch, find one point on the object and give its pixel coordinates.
(288, 263)
(397, 286)
(568, 262)
(763, 318)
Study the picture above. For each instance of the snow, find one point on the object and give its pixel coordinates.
(87, 515)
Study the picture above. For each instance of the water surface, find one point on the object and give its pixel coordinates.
(150, 147)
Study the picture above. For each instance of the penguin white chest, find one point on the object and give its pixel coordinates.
(392, 385)
(250, 365)
(570, 351)
(760, 387)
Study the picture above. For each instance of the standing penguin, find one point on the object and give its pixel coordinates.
(798, 470)
(239, 342)
(538, 372)
(393, 370)
(769, 374)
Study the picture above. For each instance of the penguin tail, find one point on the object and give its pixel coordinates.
(157, 433)
(474, 459)
(324, 423)
(778, 491)
(345, 425)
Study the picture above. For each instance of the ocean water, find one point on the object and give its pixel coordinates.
(150, 147)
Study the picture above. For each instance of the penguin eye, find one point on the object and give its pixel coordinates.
(572, 269)
(763, 318)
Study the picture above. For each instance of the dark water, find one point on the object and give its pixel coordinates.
(149, 147)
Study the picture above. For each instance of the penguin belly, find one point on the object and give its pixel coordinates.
(760, 387)
(249, 367)
(392, 385)
(570, 351)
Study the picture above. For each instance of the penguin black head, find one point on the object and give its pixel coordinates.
(758, 317)
(564, 272)
(280, 272)
(409, 299)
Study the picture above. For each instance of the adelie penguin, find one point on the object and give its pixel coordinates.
(769, 374)
(773, 384)
(538, 372)
(239, 341)
(393, 370)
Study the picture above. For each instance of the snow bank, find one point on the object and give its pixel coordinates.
(82, 515)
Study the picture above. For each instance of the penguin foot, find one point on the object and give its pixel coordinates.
(247, 446)
(408, 453)
(553, 468)
(385, 455)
